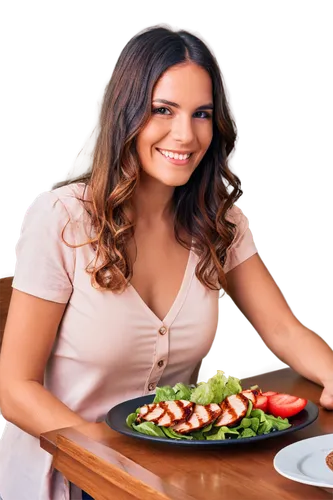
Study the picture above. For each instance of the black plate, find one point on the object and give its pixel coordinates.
(116, 419)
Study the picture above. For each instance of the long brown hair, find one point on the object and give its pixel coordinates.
(201, 205)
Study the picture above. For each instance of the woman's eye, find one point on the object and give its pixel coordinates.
(205, 114)
(160, 111)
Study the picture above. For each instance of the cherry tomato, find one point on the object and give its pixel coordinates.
(285, 405)
(261, 403)
(269, 393)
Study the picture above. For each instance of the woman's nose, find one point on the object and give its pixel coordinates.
(182, 129)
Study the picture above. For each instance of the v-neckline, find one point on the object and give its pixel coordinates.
(178, 301)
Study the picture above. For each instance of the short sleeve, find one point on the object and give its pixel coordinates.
(44, 263)
(243, 246)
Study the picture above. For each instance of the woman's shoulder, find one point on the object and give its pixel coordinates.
(73, 197)
(68, 199)
(236, 215)
(242, 246)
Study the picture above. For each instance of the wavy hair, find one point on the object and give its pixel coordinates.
(201, 205)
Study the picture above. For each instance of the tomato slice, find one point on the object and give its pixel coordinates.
(285, 405)
(269, 393)
(261, 403)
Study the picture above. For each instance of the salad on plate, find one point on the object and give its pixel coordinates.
(215, 410)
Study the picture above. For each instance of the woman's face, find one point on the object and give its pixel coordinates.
(181, 123)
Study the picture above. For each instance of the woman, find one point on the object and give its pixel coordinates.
(118, 273)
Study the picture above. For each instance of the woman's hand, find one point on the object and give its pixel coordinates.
(326, 398)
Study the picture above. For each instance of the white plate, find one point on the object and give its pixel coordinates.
(305, 461)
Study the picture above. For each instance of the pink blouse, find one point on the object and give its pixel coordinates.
(109, 347)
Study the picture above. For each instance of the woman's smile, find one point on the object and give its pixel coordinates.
(175, 158)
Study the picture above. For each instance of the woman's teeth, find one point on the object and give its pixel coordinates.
(176, 156)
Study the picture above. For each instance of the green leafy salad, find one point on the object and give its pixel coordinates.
(254, 422)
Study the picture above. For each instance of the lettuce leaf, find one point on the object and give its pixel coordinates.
(175, 435)
(165, 393)
(168, 393)
(149, 428)
(183, 391)
(222, 433)
(216, 389)
(278, 423)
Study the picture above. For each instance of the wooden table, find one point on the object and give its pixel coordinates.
(109, 465)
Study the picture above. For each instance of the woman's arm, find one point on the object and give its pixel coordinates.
(256, 294)
(31, 328)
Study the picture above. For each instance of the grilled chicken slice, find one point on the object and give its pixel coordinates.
(251, 394)
(234, 408)
(201, 416)
(166, 413)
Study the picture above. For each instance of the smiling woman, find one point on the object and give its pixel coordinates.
(118, 273)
